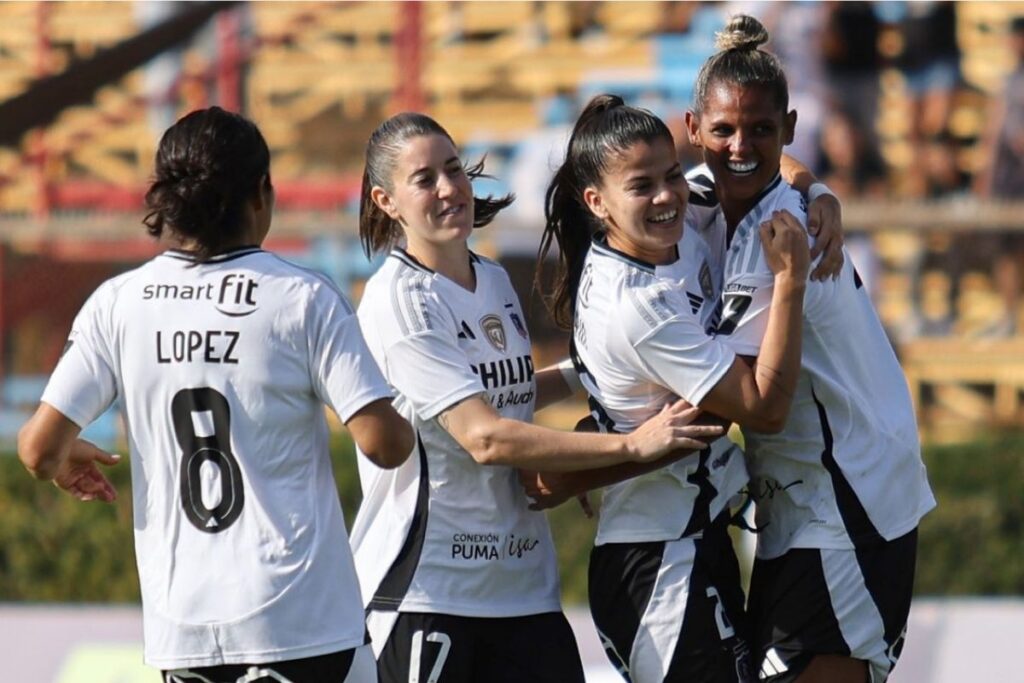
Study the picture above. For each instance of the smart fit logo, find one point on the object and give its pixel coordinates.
(233, 296)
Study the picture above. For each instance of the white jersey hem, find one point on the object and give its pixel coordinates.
(257, 657)
(826, 539)
(483, 611)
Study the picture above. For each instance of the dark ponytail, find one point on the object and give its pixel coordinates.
(377, 230)
(607, 127)
(208, 165)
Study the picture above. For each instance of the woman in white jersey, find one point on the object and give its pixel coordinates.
(841, 489)
(459, 576)
(223, 356)
(664, 582)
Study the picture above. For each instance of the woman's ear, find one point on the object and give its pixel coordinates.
(384, 202)
(693, 128)
(790, 128)
(262, 197)
(592, 198)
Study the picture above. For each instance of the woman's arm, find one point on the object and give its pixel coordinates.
(556, 383)
(495, 440)
(49, 447)
(549, 489)
(382, 435)
(824, 218)
(759, 397)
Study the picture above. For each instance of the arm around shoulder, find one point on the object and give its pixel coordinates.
(384, 436)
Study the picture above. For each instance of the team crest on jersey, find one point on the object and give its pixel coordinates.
(517, 322)
(706, 286)
(494, 331)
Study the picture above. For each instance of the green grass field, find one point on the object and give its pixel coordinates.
(53, 548)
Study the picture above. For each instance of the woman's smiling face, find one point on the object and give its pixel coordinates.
(641, 200)
(431, 195)
(742, 131)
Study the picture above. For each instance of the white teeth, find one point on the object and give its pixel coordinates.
(450, 211)
(665, 217)
(741, 167)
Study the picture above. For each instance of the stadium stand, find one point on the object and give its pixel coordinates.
(319, 76)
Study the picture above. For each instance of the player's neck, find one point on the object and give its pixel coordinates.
(450, 260)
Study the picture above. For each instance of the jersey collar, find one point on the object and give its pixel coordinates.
(411, 261)
(229, 255)
(599, 244)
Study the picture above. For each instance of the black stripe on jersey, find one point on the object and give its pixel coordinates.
(600, 245)
(606, 423)
(856, 279)
(601, 415)
(229, 255)
(768, 188)
(409, 260)
(395, 584)
(477, 258)
(700, 517)
(695, 301)
(858, 525)
(702, 191)
(888, 572)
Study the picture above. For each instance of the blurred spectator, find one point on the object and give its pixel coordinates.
(853, 163)
(925, 50)
(930, 62)
(1003, 178)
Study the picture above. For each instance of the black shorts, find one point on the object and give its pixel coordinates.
(853, 603)
(442, 648)
(672, 610)
(347, 666)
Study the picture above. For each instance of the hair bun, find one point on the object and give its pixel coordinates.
(743, 32)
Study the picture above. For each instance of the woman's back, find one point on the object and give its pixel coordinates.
(223, 369)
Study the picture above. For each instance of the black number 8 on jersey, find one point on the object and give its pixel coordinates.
(213, 447)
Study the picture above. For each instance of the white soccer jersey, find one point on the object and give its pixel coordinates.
(639, 343)
(441, 533)
(223, 369)
(846, 468)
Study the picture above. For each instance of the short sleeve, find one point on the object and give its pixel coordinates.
(344, 373)
(431, 371)
(84, 384)
(675, 349)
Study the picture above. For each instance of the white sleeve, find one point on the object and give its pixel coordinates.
(676, 350)
(416, 339)
(84, 385)
(431, 371)
(342, 370)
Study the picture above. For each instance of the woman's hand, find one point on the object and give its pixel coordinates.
(785, 246)
(80, 477)
(825, 224)
(671, 429)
